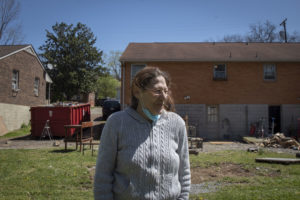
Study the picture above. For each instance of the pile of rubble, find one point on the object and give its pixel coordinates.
(195, 145)
(280, 141)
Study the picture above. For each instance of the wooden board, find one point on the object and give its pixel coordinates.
(279, 160)
(252, 140)
(221, 142)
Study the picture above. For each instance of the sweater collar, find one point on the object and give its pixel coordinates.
(134, 114)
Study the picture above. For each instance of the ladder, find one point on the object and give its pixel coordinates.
(46, 131)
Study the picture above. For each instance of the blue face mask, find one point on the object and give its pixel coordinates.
(154, 118)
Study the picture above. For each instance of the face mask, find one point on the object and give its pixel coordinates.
(154, 118)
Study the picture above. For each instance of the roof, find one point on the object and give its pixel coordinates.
(8, 50)
(212, 52)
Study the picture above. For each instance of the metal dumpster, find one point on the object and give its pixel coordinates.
(58, 116)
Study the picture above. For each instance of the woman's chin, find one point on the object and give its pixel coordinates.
(159, 111)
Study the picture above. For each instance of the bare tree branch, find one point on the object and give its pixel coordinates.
(262, 32)
(265, 32)
(10, 31)
(113, 64)
(233, 38)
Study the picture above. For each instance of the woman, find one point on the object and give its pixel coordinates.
(144, 151)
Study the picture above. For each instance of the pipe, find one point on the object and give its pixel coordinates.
(123, 84)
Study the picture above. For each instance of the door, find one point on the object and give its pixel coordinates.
(274, 115)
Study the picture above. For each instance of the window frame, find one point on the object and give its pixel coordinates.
(215, 77)
(36, 86)
(15, 84)
(212, 115)
(135, 65)
(265, 66)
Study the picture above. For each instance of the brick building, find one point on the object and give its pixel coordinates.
(225, 88)
(23, 83)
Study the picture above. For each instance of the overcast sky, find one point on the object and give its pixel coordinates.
(116, 23)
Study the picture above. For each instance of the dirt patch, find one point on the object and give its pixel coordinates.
(91, 170)
(219, 171)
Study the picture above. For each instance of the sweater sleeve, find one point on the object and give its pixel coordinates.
(184, 166)
(106, 161)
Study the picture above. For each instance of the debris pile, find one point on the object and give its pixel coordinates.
(280, 141)
(195, 145)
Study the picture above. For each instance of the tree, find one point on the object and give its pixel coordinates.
(10, 31)
(259, 32)
(113, 64)
(262, 32)
(234, 38)
(107, 87)
(76, 61)
(294, 37)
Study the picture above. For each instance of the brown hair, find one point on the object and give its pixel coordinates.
(145, 78)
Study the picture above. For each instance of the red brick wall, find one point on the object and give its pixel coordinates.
(29, 68)
(244, 85)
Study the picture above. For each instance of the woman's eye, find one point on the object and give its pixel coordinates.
(161, 91)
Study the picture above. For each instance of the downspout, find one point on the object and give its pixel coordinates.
(49, 101)
(123, 85)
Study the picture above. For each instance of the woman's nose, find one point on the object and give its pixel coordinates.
(163, 95)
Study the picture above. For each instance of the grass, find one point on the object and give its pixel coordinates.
(56, 174)
(24, 130)
(284, 185)
(45, 174)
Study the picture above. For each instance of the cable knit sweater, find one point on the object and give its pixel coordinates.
(140, 160)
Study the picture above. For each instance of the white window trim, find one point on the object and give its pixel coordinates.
(36, 86)
(209, 115)
(15, 81)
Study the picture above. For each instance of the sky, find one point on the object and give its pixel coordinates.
(116, 23)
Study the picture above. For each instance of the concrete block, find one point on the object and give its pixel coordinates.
(3, 128)
(13, 116)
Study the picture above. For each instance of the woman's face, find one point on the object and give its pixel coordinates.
(154, 96)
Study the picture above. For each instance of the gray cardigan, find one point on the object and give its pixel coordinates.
(140, 160)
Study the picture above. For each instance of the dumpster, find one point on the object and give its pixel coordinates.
(58, 116)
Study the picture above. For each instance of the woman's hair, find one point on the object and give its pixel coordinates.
(145, 78)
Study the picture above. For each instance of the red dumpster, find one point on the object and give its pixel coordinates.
(58, 116)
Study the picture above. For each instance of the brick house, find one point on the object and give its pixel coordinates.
(225, 88)
(23, 83)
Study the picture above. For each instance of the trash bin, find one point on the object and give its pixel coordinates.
(58, 116)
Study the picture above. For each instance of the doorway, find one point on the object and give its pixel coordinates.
(275, 115)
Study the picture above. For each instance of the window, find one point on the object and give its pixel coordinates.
(15, 80)
(220, 72)
(36, 86)
(212, 113)
(135, 68)
(269, 72)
